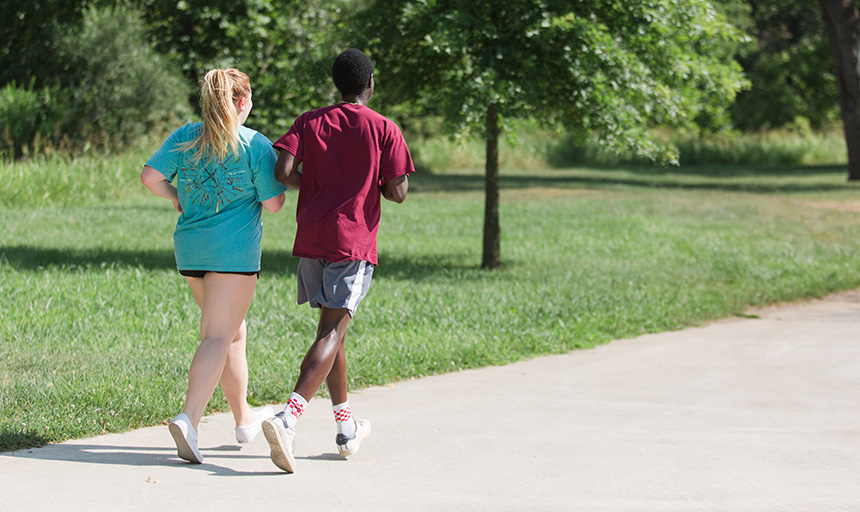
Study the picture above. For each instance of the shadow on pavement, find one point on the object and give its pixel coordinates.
(139, 456)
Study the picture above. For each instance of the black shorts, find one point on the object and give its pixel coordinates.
(201, 273)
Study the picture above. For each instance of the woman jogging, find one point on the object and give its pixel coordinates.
(224, 175)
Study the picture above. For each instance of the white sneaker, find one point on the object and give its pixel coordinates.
(245, 433)
(347, 446)
(281, 440)
(185, 438)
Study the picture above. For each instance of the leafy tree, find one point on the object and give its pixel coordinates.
(842, 22)
(288, 56)
(30, 34)
(613, 68)
(286, 48)
(788, 63)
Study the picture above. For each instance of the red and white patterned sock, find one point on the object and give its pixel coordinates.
(294, 409)
(343, 417)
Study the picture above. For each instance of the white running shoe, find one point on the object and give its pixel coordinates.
(281, 440)
(185, 438)
(347, 446)
(246, 433)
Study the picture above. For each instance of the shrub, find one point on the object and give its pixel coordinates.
(27, 116)
(120, 85)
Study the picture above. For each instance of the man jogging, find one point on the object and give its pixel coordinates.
(351, 158)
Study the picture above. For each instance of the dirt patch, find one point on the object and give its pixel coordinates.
(840, 206)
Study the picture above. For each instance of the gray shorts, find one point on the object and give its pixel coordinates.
(333, 285)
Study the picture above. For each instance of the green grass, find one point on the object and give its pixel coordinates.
(97, 329)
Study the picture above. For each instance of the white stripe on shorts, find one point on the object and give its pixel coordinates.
(355, 293)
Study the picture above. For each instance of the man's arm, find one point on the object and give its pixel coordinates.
(395, 189)
(286, 170)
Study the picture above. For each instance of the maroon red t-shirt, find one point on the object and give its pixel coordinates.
(347, 152)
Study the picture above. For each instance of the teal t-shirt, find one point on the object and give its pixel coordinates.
(221, 225)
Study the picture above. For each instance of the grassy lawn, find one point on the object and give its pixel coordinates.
(97, 329)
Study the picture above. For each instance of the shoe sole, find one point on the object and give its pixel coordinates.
(346, 452)
(182, 447)
(278, 452)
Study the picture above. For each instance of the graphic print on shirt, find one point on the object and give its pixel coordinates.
(213, 186)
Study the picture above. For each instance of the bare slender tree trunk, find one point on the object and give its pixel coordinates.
(842, 22)
(492, 232)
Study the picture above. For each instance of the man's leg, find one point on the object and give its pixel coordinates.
(318, 363)
(336, 381)
(327, 349)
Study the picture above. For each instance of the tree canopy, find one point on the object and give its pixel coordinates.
(613, 68)
(284, 47)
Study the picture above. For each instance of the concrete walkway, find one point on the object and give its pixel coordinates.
(741, 415)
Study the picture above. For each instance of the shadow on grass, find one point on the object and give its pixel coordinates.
(13, 439)
(421, 268)
(695, 178)
(273, 262)
(35, 258)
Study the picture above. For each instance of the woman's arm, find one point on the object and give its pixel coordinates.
(158, 185)
(274, 204)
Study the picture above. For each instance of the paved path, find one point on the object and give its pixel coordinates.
(741, 415)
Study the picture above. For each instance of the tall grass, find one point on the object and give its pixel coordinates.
(56, 179)
(796, 146)
(527, 146)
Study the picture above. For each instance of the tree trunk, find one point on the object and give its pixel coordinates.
(492, 233)
(842, 22)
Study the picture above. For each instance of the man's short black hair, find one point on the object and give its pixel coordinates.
(351, 71)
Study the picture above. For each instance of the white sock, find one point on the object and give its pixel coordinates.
(294, 409)
(344, 419)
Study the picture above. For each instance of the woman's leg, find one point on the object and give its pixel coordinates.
(224, 300)
(234, 379)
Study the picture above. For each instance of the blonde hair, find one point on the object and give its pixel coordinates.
(219, 137)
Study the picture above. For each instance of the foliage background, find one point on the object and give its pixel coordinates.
(85, 75)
